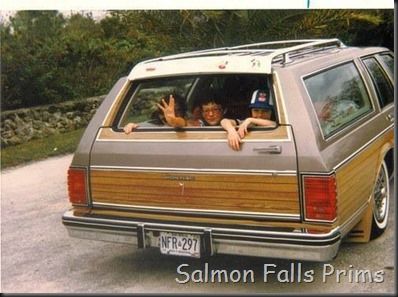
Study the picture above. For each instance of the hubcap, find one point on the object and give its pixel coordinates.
(381, 198)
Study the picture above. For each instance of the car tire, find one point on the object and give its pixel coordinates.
(380, 201)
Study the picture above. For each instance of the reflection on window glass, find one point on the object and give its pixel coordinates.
(143, 107)
(389, 61)
(232, 91)
(383, 88)
(339, 97)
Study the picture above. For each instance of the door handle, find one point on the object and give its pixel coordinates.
(272, 149)
(390, 117)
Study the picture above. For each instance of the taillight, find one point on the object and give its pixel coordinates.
(77, 186)
(320, 197)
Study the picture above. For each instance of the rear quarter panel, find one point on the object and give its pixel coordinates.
(354, 154)
(82, 154)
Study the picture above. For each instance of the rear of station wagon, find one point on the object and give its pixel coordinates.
(294, 190)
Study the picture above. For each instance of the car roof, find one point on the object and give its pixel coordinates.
(254, 58)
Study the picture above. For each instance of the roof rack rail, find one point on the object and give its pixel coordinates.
(252, 48)
(207, 53)
(250, 45)
(311, 44)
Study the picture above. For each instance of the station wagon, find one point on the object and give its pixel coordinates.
(294, 190)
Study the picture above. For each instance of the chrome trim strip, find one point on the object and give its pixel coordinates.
(362, 147)
(193, 211)
(87, 220)
(277, 250)
(102, 235)
(187, 140)
(322, 239)
(195, 170)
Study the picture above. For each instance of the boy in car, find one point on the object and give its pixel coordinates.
(261, 112)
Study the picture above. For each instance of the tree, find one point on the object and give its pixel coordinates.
(48, 58)
(28, 62)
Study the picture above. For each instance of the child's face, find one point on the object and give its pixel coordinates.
(261, 113)
(212, 113)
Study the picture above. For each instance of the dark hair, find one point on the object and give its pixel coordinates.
(211, 98)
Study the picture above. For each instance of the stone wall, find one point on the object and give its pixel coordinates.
(21, 125)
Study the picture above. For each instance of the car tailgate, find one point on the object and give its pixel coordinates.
(196, 171)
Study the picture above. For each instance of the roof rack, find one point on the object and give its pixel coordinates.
(253, 49)
(312, 45)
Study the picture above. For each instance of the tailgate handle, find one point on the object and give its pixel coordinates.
(272, 149)
(390, 117)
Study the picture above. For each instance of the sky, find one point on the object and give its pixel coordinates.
(190, 4)
(97, 14)
(98, 7)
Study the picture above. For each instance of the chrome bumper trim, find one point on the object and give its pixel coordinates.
(284, 245)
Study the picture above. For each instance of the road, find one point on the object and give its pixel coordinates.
(37, 256)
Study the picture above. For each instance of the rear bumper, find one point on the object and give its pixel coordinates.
(285, 245)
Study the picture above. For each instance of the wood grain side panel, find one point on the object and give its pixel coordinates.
(232, 178)
(219, 192)
(355, 178)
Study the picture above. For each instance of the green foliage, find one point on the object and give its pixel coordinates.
(47, 58)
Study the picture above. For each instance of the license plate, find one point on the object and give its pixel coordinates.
(179, 244)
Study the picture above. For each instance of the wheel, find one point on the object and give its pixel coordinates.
(380, 202)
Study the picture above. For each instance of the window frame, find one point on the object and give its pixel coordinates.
(134, 87)
(385, 67)
(382, 67)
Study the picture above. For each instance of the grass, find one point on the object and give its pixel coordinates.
(39, 149)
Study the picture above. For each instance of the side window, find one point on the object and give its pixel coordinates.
(338, 96)
(385, 92)
(389, 62)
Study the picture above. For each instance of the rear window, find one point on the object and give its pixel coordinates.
(142, 106)
(338, 96)
(232, 91)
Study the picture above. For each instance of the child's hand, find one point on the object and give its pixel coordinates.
(130, 127)
(234, 140)
(242, 131)
(168, 109)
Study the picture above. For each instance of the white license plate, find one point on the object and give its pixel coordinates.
(179, 244)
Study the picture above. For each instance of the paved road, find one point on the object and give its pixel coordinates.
(38, 256)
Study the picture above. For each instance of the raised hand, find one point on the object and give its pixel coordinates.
(169, 113)
(168, 109)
